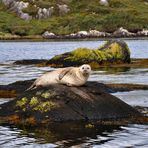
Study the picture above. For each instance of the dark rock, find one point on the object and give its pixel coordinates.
(112, 52)
(15, 89)
(30, 61)
(62, 103)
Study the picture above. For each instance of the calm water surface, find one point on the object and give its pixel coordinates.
(132, 135)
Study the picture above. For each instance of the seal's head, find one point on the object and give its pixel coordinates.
(85, 69)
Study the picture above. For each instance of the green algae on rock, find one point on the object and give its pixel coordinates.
(112, 52)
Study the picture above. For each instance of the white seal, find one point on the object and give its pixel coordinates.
(71, 76)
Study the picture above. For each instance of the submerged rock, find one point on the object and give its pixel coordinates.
(62, 103)
(30, 61)
(112, 52)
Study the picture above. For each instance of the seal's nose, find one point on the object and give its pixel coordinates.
(85, 70)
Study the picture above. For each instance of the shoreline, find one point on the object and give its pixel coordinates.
(41, 39)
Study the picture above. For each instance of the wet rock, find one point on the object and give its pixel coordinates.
(113, 51)
(62, 103)
(15, 89)
(121, 32)
(30, 61)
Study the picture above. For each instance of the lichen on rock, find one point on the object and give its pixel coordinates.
(34, 101)
(22, 102)
(47, 94)
(45, 106)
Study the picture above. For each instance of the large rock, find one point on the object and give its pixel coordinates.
(112, 52)
(62, 103)
(17, 88)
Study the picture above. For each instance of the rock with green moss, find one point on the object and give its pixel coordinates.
(112, 52)
(62, 103)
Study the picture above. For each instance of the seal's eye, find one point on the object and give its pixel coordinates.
(87, 67)
(82, 67)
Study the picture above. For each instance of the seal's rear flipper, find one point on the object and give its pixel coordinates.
(32, 87)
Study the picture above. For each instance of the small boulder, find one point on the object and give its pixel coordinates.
(63, 9)
(121, 32)
(144, 32)
(104, 2)
(48, 35)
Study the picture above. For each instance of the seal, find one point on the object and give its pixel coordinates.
(70, 76)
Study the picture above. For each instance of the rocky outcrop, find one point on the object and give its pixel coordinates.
(112, 52)
(95, 33)
(48, 35)
(79, 34)
(62, 103)
(39, 13)
(44, 13)
(121, 32)
(144, 32)
(63, 9)
(17, 7)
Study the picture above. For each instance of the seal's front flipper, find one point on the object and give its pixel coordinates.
(64, 72)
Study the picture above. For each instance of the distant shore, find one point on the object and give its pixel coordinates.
(39, 38)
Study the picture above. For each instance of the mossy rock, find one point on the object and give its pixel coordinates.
(62, 103)
(112, 52)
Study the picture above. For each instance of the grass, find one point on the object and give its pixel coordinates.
(84, 15)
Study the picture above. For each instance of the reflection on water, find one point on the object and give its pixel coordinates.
(10, 137)
(69, 134)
